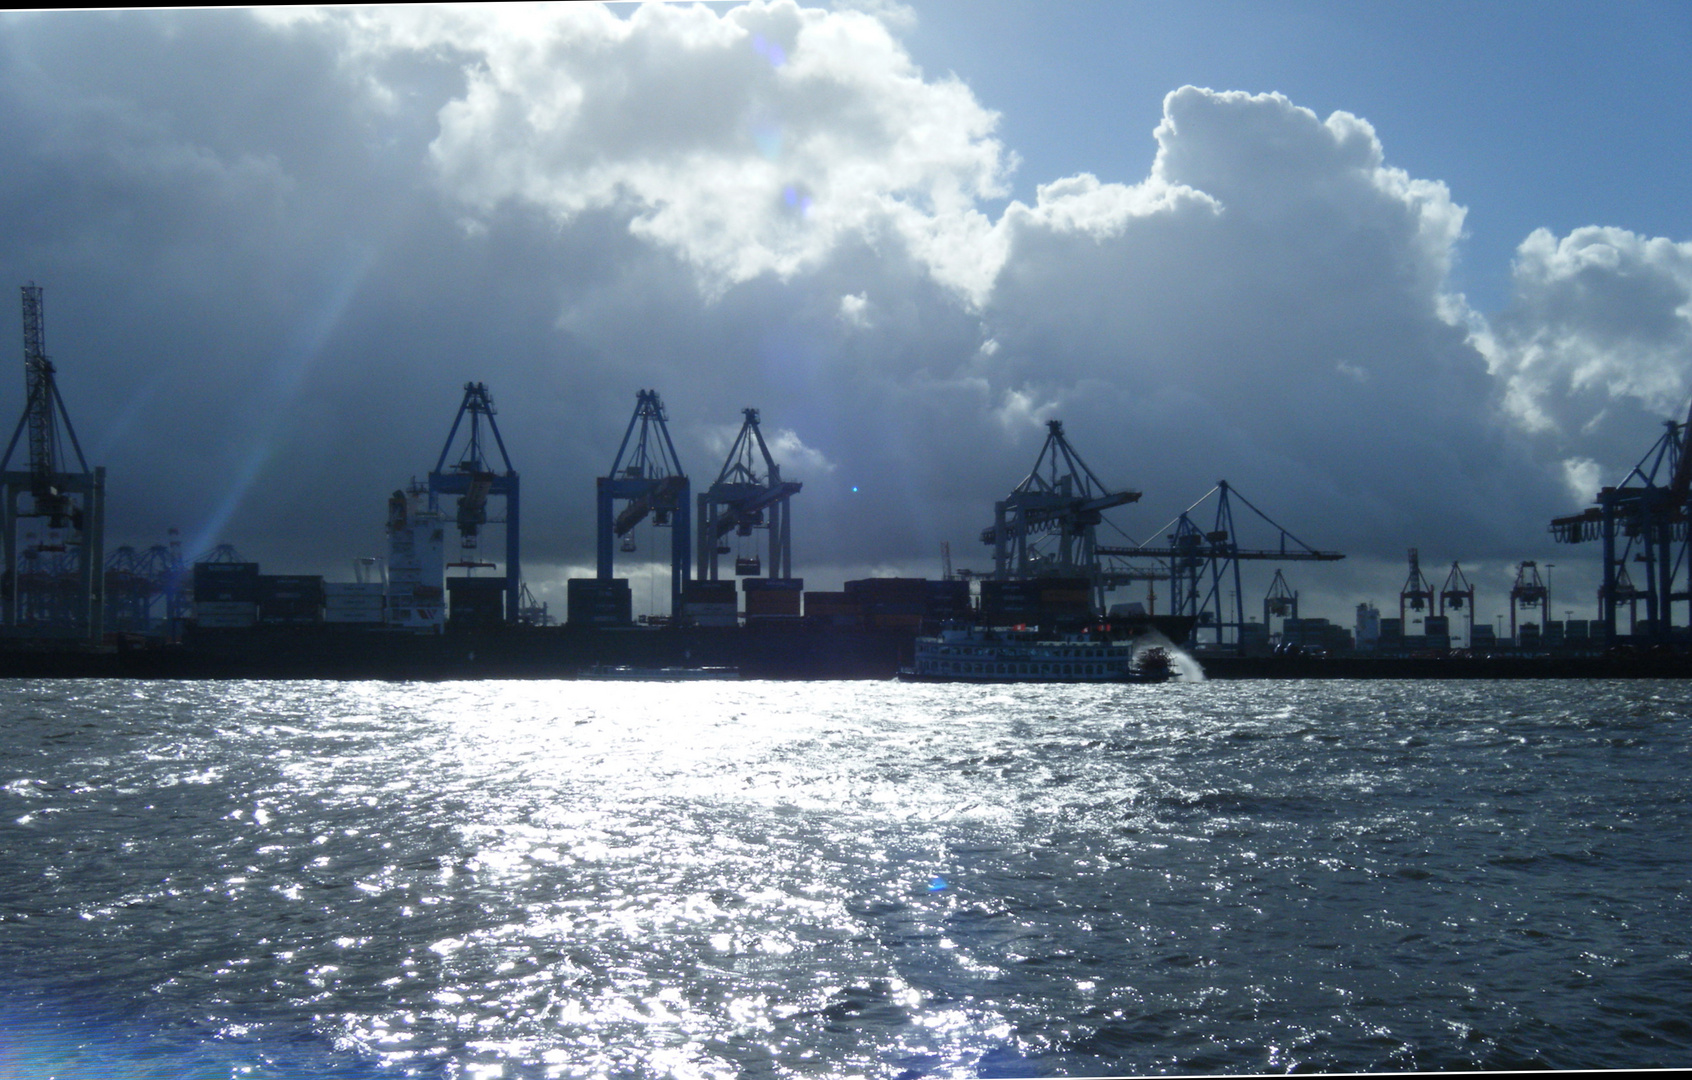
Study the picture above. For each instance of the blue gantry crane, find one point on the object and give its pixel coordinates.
(1459, 595)
(1046, 526)
(1529, 593)
(1201, 562)
(1644, 521)
(1417, 594)
(130, 591)
(474, 479)
(72, 500)
(648, 481)
(748, 494)
(137, 582)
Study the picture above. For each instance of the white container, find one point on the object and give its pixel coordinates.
(416, 563)
(349, 590)
(355, 609)
(225, 614)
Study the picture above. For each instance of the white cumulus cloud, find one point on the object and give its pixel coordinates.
(1599, 334)
(748, 143)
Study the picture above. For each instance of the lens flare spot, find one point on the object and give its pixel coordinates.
(769, 50)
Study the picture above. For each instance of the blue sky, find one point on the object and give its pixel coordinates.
(1406, 275)
(1550, 114)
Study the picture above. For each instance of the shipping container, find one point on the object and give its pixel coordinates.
(290, 611)
(226, 582)
(833, 609)
(891, 621)
(709, 592)
(877, 594)
(948, 600)
(709, 615)
(334, 589)
(354, 609)
(475, 601)
(290, 587)
(773, 602)
(717, 604)
(752, 585)
(766, 620)
(224, 622)
(599, 602)
(225, 613)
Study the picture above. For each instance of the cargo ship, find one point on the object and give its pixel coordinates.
(976, 654)
(254, 626)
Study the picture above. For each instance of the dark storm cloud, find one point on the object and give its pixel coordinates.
(1276, 318)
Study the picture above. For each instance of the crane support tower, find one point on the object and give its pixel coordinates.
(64, 491)
(649, 480)
(1459, 595)
(1529, 592)
(474, 480)
(1417, 594)
(1643, 521)
(129, 591)
(748, 494)
(1046, 526)
(1202, 561)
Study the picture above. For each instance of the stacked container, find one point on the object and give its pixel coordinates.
(353, 602)
(596, 602)
(225, 594)
(709, 603)
(1065, 600)
(1010, 603)
(290, 598)
(1391, 636)
(772, 598)
(475, 603)
(1438, 631)
(948, 600)
(891, 603)
(833, 609)
(1254, 639)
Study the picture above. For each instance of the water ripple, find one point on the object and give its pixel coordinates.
(729, 879)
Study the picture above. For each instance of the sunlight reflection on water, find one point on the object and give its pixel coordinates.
(718, 878)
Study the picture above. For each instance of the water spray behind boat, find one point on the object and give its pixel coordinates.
(1181, 661)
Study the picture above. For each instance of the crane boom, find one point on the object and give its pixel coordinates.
(43, 411)
(38, 380)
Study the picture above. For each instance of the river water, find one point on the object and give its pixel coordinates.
(724, 879)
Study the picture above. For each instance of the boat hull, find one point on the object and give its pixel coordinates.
(1044, 680)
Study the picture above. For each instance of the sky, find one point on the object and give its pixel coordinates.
(1406, 275)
